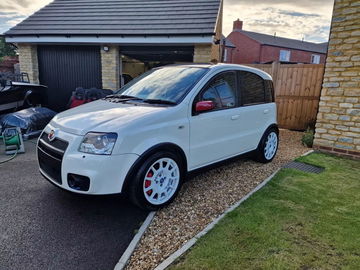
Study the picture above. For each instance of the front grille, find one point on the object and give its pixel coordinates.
(57, 143)
(50, 155)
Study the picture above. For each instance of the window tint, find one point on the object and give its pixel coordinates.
(269, 91)
(252, 88)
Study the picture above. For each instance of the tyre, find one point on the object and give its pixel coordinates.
(157, 181)
(268, 146)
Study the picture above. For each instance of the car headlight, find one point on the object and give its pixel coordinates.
(98, 143)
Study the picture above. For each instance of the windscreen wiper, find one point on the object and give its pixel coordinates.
(129, 97)
(159, 101)
(123, 98)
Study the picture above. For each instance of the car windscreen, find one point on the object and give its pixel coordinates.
(169, 83)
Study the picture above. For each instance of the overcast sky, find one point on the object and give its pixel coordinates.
(308, 19)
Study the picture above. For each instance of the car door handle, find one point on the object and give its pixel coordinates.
(235, 117)
(266, 111)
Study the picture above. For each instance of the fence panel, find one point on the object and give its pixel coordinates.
(297, 92)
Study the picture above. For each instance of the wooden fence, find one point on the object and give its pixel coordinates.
(297, 92)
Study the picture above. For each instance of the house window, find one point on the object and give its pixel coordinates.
(284, 56)
(315, 59)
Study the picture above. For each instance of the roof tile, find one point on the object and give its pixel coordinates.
(122, 17)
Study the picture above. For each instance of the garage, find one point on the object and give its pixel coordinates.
(102, 44)
(136, 60)
(71, 67)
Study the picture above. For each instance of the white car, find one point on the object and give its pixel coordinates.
(144, 139)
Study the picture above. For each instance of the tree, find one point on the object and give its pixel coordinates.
(6, 49)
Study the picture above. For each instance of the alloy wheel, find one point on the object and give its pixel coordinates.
(161, 181)
(271, 145)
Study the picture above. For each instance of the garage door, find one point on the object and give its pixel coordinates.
(159, 53)
(63, 68)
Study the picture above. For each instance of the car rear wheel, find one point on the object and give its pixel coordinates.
(157, 182)
(268, 146)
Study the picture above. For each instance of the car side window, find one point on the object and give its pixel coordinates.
(269, 91)
(221, 90)
(252, 89)
(211, 95)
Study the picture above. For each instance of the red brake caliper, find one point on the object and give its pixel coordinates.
(148, 183)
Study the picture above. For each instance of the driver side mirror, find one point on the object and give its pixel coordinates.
(203, 106)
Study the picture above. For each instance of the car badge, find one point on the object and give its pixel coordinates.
(51, 135)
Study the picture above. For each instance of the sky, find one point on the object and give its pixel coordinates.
(298, 19)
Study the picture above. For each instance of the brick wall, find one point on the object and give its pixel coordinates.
(206, 53)
(202, 53)
(29, 61)
(247, 50)
(338, 121)
(271, 53)
(7, 63)
(110, 68)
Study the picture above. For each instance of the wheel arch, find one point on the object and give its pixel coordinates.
(170, 147)
(272, 126)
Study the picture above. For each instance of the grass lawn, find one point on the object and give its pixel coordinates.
(298, 221)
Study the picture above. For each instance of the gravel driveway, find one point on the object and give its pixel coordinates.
(205, 197)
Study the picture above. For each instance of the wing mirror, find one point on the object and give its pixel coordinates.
(203, 106)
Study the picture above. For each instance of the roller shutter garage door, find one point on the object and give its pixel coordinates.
(63, 68)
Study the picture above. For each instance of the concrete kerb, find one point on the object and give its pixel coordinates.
(307, 153)
(134, 242)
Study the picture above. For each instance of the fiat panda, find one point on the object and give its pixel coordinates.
(143, 139)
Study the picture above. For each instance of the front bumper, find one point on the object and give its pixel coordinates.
(106, 173)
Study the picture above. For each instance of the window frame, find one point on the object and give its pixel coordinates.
(315, 56)
(206, 86)
(288, 55)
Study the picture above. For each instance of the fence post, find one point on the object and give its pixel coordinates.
(275, 67)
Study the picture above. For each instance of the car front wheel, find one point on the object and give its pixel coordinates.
(157, 182)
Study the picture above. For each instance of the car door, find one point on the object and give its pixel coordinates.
(214, 134)
(257, 109)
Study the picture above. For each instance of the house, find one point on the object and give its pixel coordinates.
(91, 43)
(338, 120)
(227, 49)
(252, 47)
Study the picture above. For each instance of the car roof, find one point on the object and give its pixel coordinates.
(224, 67)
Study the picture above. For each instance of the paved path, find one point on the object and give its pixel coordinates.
(42, 227)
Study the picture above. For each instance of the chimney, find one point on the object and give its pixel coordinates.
(238, 25)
